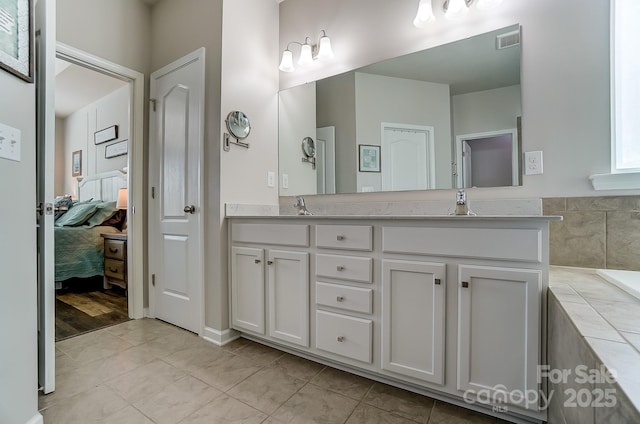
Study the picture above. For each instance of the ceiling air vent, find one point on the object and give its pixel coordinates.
(508, 39)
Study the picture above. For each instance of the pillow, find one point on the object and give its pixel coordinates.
(78, 214)
(64, 202)
(117, 220)
(104, 211)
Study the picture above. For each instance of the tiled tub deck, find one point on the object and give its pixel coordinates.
(592, 327)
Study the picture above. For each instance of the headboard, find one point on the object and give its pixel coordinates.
(103, 186)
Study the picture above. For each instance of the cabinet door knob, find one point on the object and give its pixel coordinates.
(340, 268)
(465, 284)
(113, 249)
(257, 261)
(340, 238)
(113, 270)
(340, 339)
(340, 299)
(269, 262)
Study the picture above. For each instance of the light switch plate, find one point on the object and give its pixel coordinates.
(533, 163)
(10, 142)
(285, 180)
(271, 179)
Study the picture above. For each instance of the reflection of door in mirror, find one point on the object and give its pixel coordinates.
(488, 159)
(326, 160)
(407, 157)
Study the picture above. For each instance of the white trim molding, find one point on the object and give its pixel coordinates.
(618, 181)
(36, 419)
(218, 337)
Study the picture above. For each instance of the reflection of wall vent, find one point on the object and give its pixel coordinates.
(508, 39)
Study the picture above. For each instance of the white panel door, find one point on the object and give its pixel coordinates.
(413, 319)
(407, 157)
(45, 46)
(247, 289)
(289, 296)
(499, 331)
(175, 226)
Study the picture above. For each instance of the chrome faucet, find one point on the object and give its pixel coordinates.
(461, 204)
(302, 208)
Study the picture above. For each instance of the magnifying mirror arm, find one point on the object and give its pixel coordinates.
(311, 160)
(228, 142)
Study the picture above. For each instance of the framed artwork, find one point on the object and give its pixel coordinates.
(76, 162)
(369, 158)
(16, 40)
(116, 149)
(107, 134)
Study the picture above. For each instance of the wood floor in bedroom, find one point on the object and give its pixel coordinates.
(82, 305)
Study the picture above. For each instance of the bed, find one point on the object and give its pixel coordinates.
(79, 248)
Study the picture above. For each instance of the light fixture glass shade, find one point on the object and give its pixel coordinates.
(324, 49)
(286, 65)
(455, 9)
(488, 4)
(306, 58)
(122, 201)
(424, 15)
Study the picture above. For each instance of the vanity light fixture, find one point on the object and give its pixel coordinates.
(453, 9)
(308, 53)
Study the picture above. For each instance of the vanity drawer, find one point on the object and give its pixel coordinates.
(508, 244)
(348, 237)
(344, 335)
(345, 267)
(114, 249)
(344, 297)
(114, 268)
(280, 234)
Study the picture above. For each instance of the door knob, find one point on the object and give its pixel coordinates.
(189, 209)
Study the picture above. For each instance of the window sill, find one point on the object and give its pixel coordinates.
(620, 181)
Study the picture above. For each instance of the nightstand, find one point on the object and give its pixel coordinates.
(115, 260)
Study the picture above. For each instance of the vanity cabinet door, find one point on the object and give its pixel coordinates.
(499, 333)
(413, 319)
(289, 296)
(247, 289)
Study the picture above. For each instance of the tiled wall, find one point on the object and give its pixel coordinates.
(597, 232)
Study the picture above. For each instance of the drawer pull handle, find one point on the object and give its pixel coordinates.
(113, 249)
(269, 262)
(340, 238)
(340, 339)
(340, 299)
(340, 268)
(465, 284)
(113, 269)
(437, 281)
(257, 261)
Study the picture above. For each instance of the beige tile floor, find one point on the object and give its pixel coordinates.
(146, 371)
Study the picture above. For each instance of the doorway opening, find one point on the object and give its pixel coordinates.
(488, 159)
(92, 119)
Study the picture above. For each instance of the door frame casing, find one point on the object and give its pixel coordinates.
(136, 262)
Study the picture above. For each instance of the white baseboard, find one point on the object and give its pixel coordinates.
(36, 419)
(218, 337)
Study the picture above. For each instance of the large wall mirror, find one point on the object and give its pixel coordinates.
(442, 118)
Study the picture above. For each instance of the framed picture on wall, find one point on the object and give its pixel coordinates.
(116, 149)
(76, 163)
(104, 135)
(369, 158)
(16, 41)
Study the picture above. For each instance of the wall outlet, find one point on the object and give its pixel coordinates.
(285, 180)
(532, 163)
(271, 179)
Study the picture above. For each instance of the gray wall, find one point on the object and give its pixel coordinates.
(565, 75)
(485, 111)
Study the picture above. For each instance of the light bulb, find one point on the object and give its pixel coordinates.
(286, 65)
(455, 9)
(324, 50)
(488, 4)
(424, 15)
(306, 57)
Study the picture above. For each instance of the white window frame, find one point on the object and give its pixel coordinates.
(621, 176)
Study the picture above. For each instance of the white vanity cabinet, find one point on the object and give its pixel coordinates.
(270, 283)
(499, 332)
(413, 319)
(444, 306)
